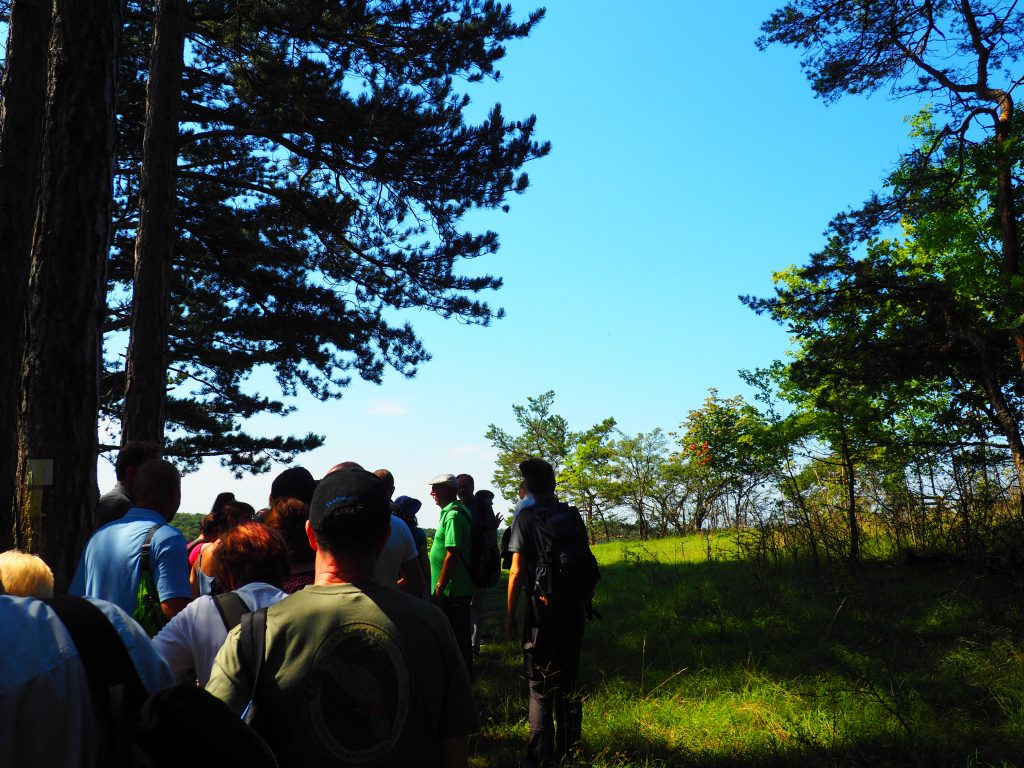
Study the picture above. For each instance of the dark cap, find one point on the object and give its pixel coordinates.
(348, 490)
(408, 504)
(293, 483)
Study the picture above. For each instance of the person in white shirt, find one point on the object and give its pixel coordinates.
(398, 563)
(251, 561)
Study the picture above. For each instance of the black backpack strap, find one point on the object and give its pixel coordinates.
(147, 544)
(117, 691)
(252, 647)
(231, 608)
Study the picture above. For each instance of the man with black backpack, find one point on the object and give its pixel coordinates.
(551, 559)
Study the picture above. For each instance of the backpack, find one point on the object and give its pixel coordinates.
(566, 572)
(147, 611)
(147, 731)
(484, 564)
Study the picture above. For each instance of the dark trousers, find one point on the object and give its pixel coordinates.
(457, 610)
(476, 616)
(552, 646)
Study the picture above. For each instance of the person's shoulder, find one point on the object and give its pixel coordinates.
(34, 640)
(527, 515)
(112, 505)
(545, 505)
(115, 494)
(17, 613)
(151, 666)
(259, 594)
(397, 604)
(398, 524)
(168, 535)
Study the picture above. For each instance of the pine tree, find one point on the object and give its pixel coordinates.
(325, 168)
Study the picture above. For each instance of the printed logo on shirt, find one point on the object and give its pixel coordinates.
(357, 694)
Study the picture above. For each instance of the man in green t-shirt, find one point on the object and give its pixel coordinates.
(354, 672)
(451, 587)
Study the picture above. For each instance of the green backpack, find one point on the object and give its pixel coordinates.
(147, 611)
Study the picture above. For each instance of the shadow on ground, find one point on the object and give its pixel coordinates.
(932, 654)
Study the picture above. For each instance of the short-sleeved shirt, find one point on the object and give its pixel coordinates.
(398, 549)
(191, 639)
(453, 532)
(111, 564)
(354, 674)
(46, 706)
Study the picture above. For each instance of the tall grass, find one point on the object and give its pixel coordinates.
(704, 659)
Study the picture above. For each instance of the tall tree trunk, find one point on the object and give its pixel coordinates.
(1006, 420)
(1006, 202)
(849, 470)
(60, 371)
(146, 369)
(590, 521)
(21, 128)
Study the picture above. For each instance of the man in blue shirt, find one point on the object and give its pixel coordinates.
(110, 567)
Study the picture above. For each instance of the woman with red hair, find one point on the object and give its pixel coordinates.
(251, 563)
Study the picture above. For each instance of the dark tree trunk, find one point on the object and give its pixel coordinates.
(1005, 200)
(1003, 415)
(60, 371)
(146, 369)
(590, 521)
(849, 470)
(21, 122)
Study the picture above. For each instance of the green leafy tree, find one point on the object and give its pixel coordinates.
(585, 478)
(542, 435)
(722, 458)
(965, 57)
(899, 326)
(636, 476)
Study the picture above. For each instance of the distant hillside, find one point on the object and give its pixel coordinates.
(188, 524)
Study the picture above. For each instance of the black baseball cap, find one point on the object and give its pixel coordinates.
(348, 490)
(294, 482)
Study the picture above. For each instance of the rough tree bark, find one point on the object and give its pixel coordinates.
(21, 121)
(146, 368)
(57, 420)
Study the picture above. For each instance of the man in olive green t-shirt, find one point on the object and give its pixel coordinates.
(354, 672)
(451, 587)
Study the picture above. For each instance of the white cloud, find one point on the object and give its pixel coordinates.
(387, 408)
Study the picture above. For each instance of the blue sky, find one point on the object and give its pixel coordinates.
(686, 167)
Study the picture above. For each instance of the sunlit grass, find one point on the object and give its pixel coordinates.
(702, 659)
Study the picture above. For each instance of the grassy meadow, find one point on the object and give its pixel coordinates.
(704, 659)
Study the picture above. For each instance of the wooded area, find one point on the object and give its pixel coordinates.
(274, 180)
(896, 421)
(217, 186)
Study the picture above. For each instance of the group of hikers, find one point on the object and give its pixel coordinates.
(320, 630)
